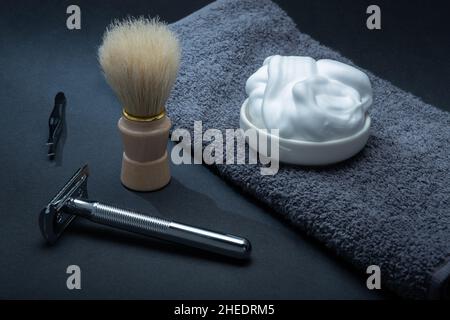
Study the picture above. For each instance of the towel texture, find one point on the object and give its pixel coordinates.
(387, 206)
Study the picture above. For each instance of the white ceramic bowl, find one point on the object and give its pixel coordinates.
(311, 153)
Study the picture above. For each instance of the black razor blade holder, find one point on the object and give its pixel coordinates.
(72, 201)
(55, 124)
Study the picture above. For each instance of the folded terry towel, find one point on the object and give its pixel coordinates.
(387, 206)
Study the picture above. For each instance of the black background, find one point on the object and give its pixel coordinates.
(39, 56)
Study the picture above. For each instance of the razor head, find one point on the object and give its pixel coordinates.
(53, 220)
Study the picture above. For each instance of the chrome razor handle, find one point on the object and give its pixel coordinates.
(136, 222)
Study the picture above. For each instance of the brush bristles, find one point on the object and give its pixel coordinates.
(140, 59)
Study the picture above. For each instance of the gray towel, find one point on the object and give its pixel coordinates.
(387, 206)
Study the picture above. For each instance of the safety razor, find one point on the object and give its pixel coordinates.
(72, 201)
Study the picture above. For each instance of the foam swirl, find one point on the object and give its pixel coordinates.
(308, 100)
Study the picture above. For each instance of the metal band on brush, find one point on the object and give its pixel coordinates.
(139, 118)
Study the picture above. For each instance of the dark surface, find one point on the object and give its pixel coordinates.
(40, 57)
(411, 50)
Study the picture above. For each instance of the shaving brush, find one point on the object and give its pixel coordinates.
(140, 59)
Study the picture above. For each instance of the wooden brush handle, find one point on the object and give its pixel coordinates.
(145, 164)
